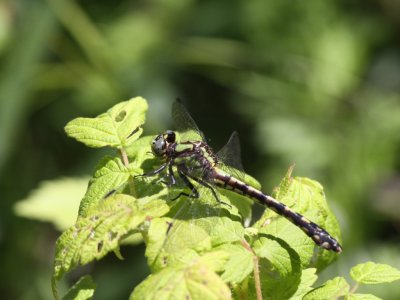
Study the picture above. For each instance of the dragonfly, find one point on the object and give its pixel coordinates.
(194, 160)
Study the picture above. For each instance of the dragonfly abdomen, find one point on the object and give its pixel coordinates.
(320, 236)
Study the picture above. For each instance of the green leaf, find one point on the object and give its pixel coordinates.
(196, 226)
(140, 151)
(308, 278)
(242, 203)
(284, 248)
(215, 260)
(293, 286)
(221, 229)
(55, 201)
(280, 266)
(373, 273)
(97, 234)
(82, 290)
(193, 282)
(284, 259)
(332, 289)
(117, 128)
(174, 242)
(362, 297)
(153, 206)
(239, 265)
(110, 174)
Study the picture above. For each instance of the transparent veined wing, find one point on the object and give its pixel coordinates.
(184, 123)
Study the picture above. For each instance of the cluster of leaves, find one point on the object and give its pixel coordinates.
(196, 249)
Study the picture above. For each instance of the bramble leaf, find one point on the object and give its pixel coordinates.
(221, 229)
(97, 234)
(308, 278)
(81, 290)
(110, 174)
(215, 260)
(140, 151)
(287, 249)
(332, 289)
(293, 286)
(173, 242)
(241, 202)
(239, 265)
(280, 255)
(195, 281)
(373, 273)
(362, 297)
(118, 127)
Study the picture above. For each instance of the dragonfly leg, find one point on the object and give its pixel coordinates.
(171, 177)
(194, 192)
(155, 172)
(203, 183)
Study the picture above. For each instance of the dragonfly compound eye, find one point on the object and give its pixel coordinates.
(158, 145)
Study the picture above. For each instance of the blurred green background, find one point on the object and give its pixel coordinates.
(315, 83)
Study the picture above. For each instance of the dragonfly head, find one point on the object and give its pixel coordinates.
(161, 143)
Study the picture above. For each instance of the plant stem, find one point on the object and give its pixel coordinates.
(124, 156)
(354, 288)
(256, 270)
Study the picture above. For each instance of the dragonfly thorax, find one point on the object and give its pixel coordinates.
(162, 142)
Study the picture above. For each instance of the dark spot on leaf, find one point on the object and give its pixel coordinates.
(165, 260)
(99, 246)
(121, 116)
(187, 297)
(133, 132)
(109, 194)
(112, 235)
(94, 218)
(204, 282)
(170, 224)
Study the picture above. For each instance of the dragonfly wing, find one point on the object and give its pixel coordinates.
(230, 157)
(230, 154)
(184, 123)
